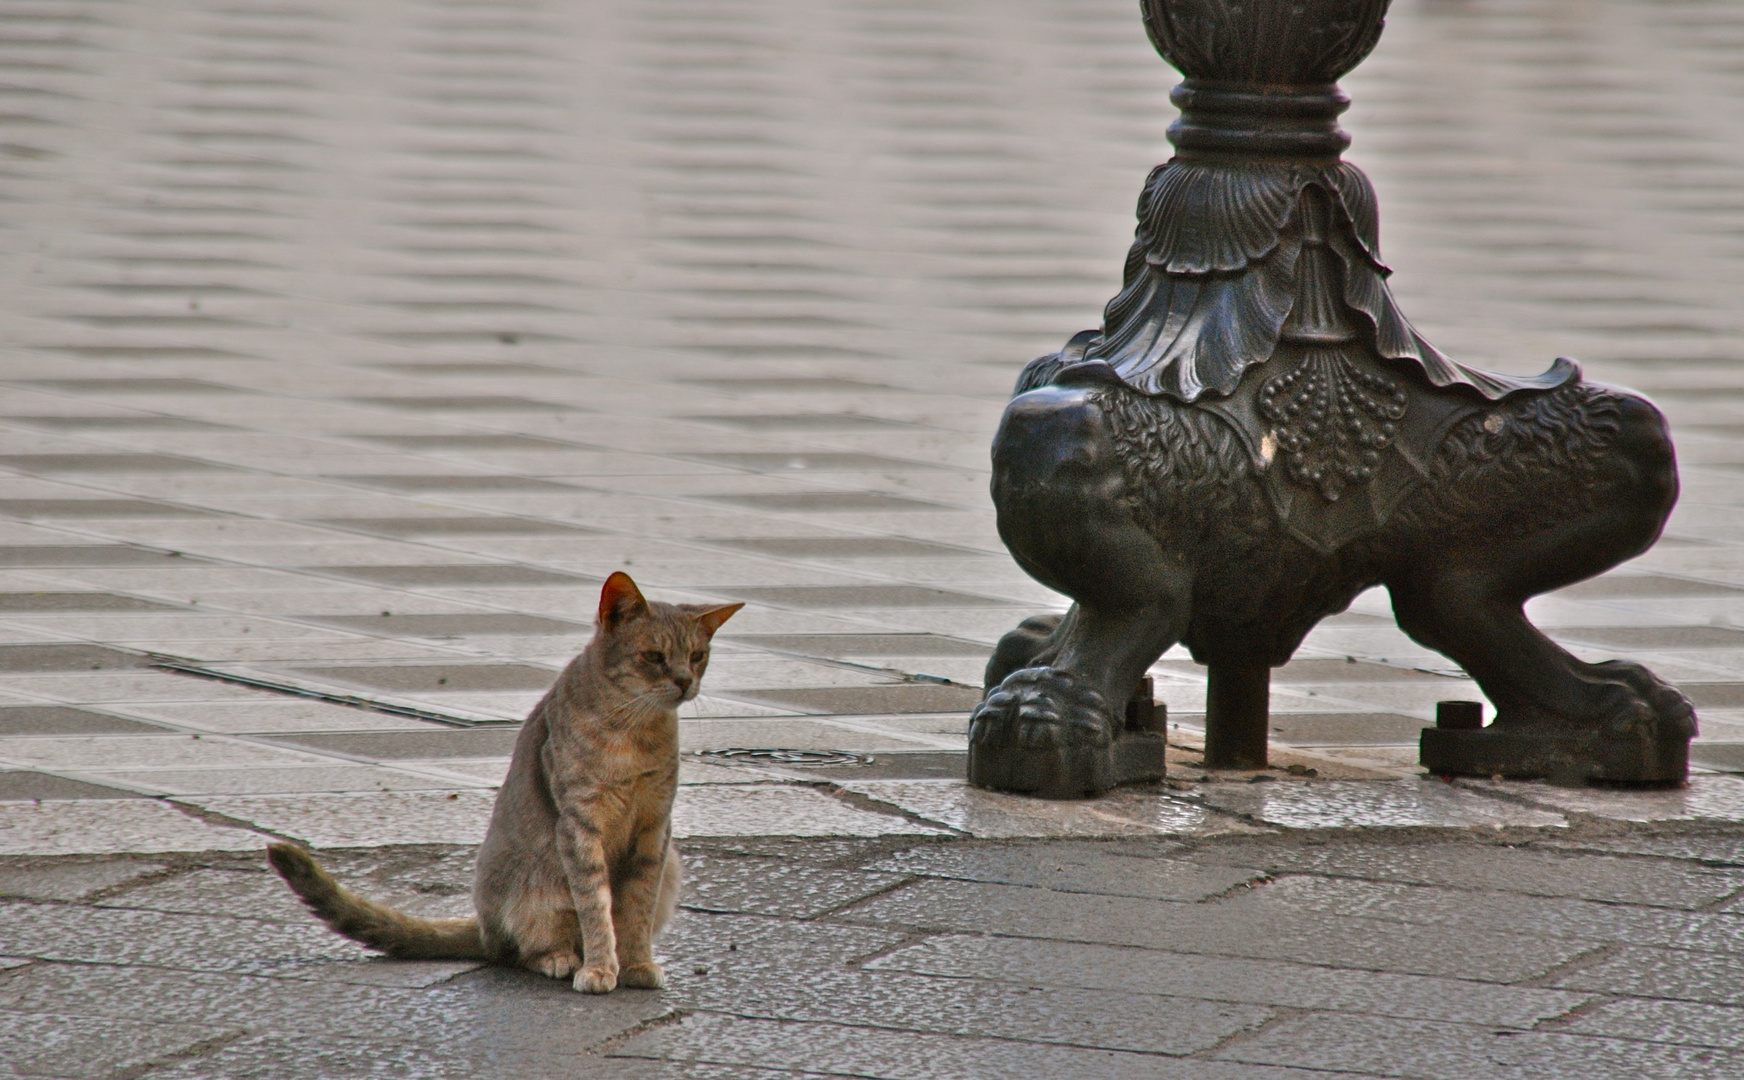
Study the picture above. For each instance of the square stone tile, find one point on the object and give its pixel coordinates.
(1706, 798)
(463, 403)
(1105, 868)
(166, 750)
(456, 771)
(1718, 756)
(103, 463)
(419, 483)
(71, 880)
(96, 508)
(783, 502)
(133, 386)
(113, 826)
(460, 575)
(122, 422)
(1713, 695)
(1346, 729)
(363, 820)
(35, 602)
(839, 645)
(17, 785)
(708, 707)
(457, 526)
(810, 461)
(268, 714)
(857, 596)
(436, 678)
(44, 1045)
(95, 555)
(993, 814)
(799, 421)
(68, 657)
(794, 733)
(1630, 586)
(867, 700)
(456, 624)
(845, 547)
(294, 779)
(65, 720)
(1347, 804)
(1655, 637)
(472, 443)
(433, 742)
(1223, 978)
(889, 765)
(780, 810)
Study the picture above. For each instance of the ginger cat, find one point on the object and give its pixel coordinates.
(578, 873)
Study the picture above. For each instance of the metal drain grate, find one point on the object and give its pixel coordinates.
(773, 756)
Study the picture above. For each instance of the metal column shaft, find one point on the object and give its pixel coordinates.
(1237, 717)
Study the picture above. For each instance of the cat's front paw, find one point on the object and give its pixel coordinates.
(648, 976)
(596, 980)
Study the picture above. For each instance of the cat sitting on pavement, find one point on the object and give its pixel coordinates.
(578, 872)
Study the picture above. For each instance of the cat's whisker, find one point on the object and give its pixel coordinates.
(633, 702)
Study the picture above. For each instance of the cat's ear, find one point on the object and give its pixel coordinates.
(712, 619)
(620, 600)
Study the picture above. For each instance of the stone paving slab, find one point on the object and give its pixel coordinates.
(1343, 804)
(791, 957)
(1706, 798)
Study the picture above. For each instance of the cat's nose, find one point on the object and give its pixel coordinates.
(683, 682)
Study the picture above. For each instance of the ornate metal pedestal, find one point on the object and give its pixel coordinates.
(1257, 434)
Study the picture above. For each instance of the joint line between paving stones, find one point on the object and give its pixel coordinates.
(1520, 798)
(966, 1036)
(1597, 955)
(1720, 904)
(606, 1046)
(1579, 1012)
(869, 804)
(1239, 889)
(213, 817)
(849, 665)
(909, 940)
(185, 667)
(150, 877)
(1280, 1014)
(193, 1052)
(30, 962)
(874, 895)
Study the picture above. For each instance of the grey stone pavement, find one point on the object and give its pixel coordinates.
(346, 347)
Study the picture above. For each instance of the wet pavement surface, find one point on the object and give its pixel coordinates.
(1524, 953)
(347, 348)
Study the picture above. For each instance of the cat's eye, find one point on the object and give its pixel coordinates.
(654, 656)
(697, 656)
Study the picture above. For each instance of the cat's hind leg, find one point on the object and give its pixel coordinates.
(671, 885)
(545, 932)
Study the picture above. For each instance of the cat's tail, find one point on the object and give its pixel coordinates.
(401, 936)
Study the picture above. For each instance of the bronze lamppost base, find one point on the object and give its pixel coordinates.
(1256, 435)
(1602, 756)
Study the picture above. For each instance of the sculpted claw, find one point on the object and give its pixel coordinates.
(1046, 732)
